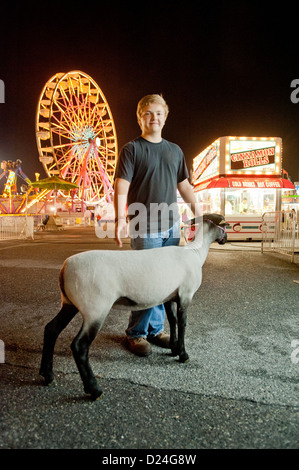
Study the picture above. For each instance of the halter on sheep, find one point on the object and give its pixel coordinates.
(93, 282)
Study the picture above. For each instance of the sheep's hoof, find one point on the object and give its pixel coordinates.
(183, 358)
(94, 392)
(50, 384)
(48, 376)
(97, 396)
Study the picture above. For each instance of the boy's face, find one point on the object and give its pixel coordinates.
(152, 119)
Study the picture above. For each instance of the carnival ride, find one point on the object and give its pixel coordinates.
(76, 141)
(11, 201)
(11, 170)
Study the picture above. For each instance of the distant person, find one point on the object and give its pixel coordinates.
(46, 220)
(243, 206)
(228, 207)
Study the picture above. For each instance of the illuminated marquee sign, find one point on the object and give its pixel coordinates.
(259, 157)
(255, 184)
(206, 164)
(249, 155)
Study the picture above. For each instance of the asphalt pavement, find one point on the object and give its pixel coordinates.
(239, 390)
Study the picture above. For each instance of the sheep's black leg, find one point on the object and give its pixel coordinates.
(182, 317)
(51, 333)
(170, 308)
(80, 347)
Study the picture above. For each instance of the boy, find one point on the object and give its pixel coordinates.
(149, 171)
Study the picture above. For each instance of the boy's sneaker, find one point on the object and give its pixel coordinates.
(139, 346)
(162, 340)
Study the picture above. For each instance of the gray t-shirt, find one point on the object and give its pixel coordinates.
(154, 171)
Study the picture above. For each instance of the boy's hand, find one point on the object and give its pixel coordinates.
(120, 230)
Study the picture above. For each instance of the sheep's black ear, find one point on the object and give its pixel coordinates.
(224, 224)
(216, 218)
(193, 221)
(190, 222)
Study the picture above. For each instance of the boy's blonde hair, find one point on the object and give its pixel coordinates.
(146, 100)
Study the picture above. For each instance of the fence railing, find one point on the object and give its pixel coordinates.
(280, 233)
(16, 227)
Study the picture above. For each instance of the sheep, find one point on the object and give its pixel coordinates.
(94, 282)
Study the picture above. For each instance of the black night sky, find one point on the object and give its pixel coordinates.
(224, 68)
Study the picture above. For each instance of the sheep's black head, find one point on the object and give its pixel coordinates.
(217, 220)
(223, 238)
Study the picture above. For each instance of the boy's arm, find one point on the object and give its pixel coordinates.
(186, 191)
(121, 189)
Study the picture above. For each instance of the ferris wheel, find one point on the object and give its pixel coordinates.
(76, 135)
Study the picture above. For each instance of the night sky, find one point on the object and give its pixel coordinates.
(224, 68)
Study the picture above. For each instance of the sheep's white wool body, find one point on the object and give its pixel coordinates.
(131, 279)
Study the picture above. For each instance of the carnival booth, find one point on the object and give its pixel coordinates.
(241, 178)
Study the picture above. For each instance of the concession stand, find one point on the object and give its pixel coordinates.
(241, 178)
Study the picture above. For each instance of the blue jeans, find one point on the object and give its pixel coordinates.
(151, 320)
